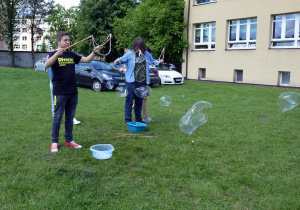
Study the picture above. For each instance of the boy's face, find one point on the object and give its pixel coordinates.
(64, 42)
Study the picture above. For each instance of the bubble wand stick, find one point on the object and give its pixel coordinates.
(79, 42)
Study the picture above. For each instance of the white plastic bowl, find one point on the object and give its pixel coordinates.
(102, 151)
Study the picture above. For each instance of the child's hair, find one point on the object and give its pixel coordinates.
(139, 44)
(60, 34)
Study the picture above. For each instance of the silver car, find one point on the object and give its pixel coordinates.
(40, 65)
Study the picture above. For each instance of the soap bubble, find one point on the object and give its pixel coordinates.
(165, 100)
(288, 101)
(196, 116)
(121, 91)
(143, 91)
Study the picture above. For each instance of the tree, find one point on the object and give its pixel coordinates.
(159, 22)
(43, 46)
(61, 20)
(95, 17)
(35, 11)
(8, 22)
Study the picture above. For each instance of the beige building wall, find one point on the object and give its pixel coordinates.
(261, 65)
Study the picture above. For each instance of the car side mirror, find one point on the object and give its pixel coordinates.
(88, 69)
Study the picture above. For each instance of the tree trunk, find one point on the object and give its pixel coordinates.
(13, 63)
(32, 42)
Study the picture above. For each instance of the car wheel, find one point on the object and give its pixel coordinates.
(96, 85)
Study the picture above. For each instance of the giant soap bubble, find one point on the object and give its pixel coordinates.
(288, 101)
(121, 91)
(165, 100)
(143, 91)
(196, 116)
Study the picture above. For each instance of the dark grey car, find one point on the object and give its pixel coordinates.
(99, 76)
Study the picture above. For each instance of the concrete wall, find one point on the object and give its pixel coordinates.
(261, 65)
(22, 59)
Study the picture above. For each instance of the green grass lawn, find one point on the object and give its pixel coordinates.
(245, 157)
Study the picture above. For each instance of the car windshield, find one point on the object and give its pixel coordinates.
(162, 67)
(101, 65)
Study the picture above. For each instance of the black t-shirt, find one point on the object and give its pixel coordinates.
(64, 81)
(140, 69)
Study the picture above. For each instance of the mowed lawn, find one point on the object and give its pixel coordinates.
(245, 157)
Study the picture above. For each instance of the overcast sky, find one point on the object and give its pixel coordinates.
(68, 3)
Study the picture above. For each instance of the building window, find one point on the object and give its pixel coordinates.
(38, 47)
(285, 31)
(24, 29)
(17, 38)
(16, 46)
(284, 78)
(24, 47)
(238, 76)
(205, 36)
(17, 30)
(24, 38)
(24, 22)
(204, 1)
(38, 21)
(242, 34)
(202, 74)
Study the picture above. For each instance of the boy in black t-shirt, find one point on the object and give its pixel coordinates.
(65, 94)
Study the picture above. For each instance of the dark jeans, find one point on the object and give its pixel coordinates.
(129, 101)
(64, 104)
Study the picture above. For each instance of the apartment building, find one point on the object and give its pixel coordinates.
(23, 36)
(3, 46)
(243, 41)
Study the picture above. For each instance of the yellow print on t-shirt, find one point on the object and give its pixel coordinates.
(65, 61)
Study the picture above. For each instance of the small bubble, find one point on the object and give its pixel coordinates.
(165, 100)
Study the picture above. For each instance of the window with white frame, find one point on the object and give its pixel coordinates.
(24, 22)
(242, 33)
(17, 46)
(285, 31)
(24, 38)
(24, 29)
(204, 1)
(16, 38)
(38, 46)
(205, 36)
(284, 79)
(24, 46)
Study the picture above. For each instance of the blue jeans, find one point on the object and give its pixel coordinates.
(64, 104)
(129, 101)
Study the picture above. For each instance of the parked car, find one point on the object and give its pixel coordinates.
(168, 76)
(40, 65)
(153, 73)
(154, 76)
(99, 76)
(170, 66)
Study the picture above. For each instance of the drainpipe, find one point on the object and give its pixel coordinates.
(187, 49)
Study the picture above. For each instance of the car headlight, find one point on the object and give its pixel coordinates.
(107, 77)
(167, 76)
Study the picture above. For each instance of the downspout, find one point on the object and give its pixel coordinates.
(187, 49)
